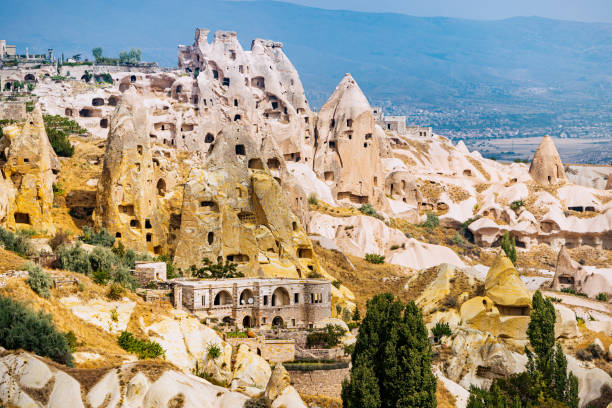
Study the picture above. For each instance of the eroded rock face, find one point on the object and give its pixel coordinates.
(504, 286)
(260, 87)
(129, 189)
(29, 166)
(546, 167)
(234, 209)
(347, 155)
(569, 273)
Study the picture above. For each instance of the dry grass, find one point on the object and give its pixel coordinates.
(321, 401)
(584, 214)
(456, 193)
(431, 190)
(479, 166)
(367, 279)
(601, 258)
(480, 187)
(10, 261)
(443, 397)
(325, 208)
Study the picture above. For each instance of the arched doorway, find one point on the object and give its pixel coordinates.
(223, 298)
(277, 322)
(247, 322)
(29, 78)
(246, 297)
(280, 297)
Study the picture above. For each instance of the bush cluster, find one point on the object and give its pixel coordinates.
(219, 270)
(39, 280)
(143, 348)
(441, 330)
(375, 258)
(590, 352)
(315, 365)
(18, 243)
(327, 338)
(432, 221)
(102, 237)
(58, 129)
(22, 328)
(108, 264)
(259, 402)
(367, 209)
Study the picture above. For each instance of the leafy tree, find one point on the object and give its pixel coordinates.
(101, 237)
(375, 258)
(130, 57)
(509, 247)
(356, 314)
(39, 280)
(18, 243)
(546, 383)
(432, 221)
(76, 57)
(22, 328)
(392, 358)
(220, 270)
(97, 53)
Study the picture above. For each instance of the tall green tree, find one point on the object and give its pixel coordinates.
(97, 53)
(509, 247)
(546, 383)
(392, 359)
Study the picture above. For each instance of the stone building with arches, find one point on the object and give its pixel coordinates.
(257, 302)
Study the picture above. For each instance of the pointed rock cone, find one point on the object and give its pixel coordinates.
(504, 286)
(546, 167)
(568, 272)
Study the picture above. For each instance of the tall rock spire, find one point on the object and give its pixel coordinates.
(546, 167)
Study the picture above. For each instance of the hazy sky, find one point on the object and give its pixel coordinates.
(576, 10)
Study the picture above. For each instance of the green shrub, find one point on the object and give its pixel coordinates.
(142, 348)
(316, 365)
(213, 351)
(441, 329)
(101, 276)
(432, 221)
(394, 247)
(72, 340)
(326, 338)
(515, 205)
(115, 315)
(314, 275)
(259, 402)
(509, 247)
(39, 280)
(18, 243)
(602, 297)
(115, 291)
(60, 142)
(367, 209)
(101, 237)
(590, 352)
(458, 239)
(375, 258)
(73, 258)
(171, 272)
(22, 328)
(312, 199)
(336, 284)
(219, 270)
(573, 291)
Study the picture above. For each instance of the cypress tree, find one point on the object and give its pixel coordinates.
(356, 314)
(509, 247)
(392, 359)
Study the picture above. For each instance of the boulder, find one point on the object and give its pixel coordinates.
(250, 370)
(504, 286)
(278, 382)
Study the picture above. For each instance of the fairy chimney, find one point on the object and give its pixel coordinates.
(546, 167)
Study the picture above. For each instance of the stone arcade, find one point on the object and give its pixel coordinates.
(256, 302)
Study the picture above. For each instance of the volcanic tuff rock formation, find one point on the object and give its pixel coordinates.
(29, 166)
(30, 381)
(260, 87)
(546, 167)
(347, 146)
(609, 182)
(504, 308)
(237, 206)
(130, 187)
(569, 273)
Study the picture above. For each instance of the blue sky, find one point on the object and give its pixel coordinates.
(576, 10)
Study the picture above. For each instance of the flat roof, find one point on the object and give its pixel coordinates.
(246, 281)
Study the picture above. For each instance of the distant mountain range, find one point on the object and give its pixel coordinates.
(443, 66)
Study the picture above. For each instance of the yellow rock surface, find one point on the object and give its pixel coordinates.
(504, 286)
